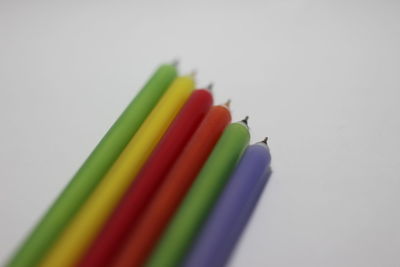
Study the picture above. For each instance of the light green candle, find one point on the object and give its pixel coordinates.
(201, 197)
(94, 168)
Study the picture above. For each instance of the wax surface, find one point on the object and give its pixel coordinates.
(94, 168)
(165, 202)
(201, 197)
(229, 216)
(78, 235)
(148, 180)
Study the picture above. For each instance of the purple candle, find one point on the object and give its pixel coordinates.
(233, 209)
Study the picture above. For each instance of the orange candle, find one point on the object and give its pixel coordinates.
(141, 241)
(147, 182)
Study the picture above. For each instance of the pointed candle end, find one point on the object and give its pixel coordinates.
(265, 141)
(193, 73)
(210, 87)
(245, 120)
(175, 62)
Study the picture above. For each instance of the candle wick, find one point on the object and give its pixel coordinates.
(228, 103)
(193, 73)
(265, 141)
(245, 120)
(175, 62)
(210, 87)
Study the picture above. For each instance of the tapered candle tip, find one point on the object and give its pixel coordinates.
(245, 120)
(193, 73)
(228, 103)
(265, 141)
(175, 62)
(210, 87)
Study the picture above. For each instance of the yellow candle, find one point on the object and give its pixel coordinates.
(84, 227)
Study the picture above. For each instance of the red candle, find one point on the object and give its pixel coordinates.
(148, 180)
(143, 238)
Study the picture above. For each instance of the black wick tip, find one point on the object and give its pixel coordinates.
(245, 120)
(265, 141)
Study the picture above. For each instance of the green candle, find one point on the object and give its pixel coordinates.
(201, 197)
(93, 169)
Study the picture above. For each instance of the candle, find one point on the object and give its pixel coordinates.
(90, 218)
(141, 241)
(233, 209)
(94, 168)
(150, 177)
(201, 197)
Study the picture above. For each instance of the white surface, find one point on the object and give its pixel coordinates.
(320, 78)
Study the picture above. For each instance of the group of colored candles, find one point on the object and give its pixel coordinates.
(172, 183)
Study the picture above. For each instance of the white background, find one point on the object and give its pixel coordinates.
(320, 78)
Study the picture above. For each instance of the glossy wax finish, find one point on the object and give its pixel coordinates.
(92, 171)
(139, 195)
(84, 227)
(201, 197)
(165, 202)
(232, 211)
